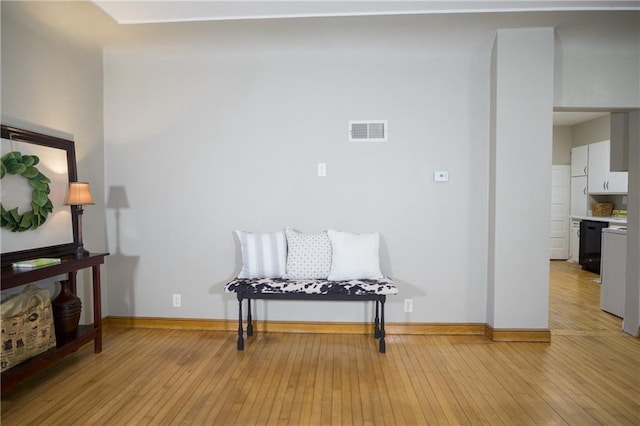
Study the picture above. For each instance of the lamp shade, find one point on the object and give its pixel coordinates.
(78, 194)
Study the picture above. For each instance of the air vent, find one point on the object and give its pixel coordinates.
(368, 131)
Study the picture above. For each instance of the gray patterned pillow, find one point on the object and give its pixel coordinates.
(308, 255)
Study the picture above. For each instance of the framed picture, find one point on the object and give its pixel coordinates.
(36, 171)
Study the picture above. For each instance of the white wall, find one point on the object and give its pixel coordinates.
(592, 131)
(562, 140)
(211, 138)
(225, 132)
(596, 60)
(54, 86)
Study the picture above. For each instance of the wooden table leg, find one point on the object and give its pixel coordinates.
(73, 280)
(97, 308)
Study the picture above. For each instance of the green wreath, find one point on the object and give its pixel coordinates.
(14, 163)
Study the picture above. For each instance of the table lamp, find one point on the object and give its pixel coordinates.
(79, 195)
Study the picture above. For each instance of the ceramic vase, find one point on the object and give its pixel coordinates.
(66, 312)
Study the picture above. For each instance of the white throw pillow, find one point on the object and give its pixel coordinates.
(308, 255)
(263, 255)
(355, 256)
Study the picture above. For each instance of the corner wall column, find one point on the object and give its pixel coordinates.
(520, 179)
(631, 322)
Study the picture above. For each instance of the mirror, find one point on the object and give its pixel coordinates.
(36, 171)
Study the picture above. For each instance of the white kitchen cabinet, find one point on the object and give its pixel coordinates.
(579, 160)
(579, 196)
(601, 179)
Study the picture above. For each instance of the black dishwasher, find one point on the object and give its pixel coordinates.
(590, 244)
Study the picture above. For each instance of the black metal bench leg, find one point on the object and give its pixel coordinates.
(240, 338)
(249, 320)
(376, 330)
(383, 346)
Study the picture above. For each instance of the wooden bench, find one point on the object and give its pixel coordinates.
(286, 289)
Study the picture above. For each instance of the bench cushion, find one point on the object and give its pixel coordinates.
(282, 285)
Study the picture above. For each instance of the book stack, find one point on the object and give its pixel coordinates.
(36, 263)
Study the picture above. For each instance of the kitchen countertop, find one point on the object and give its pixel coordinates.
(610, 219)
(621, 231)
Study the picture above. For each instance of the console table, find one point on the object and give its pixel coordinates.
(12, 277)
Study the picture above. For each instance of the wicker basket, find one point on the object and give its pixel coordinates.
(602, 209)
(27, 326)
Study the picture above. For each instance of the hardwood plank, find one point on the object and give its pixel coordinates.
(407, 385)
(302, 387)
(327, 387)
(363, 376)
(421, 368)
(310, 367)
(281, 404)
(350, 376)
(337, 387)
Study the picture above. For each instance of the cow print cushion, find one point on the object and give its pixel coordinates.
(282, 285)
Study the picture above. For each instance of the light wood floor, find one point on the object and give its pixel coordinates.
(589, 374)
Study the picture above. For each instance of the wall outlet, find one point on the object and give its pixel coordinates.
(322, 169)
(441, 176)
(408, 305)
(177, 302)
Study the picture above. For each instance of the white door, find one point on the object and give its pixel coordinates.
(560, 208)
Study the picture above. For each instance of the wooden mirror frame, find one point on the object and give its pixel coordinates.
(68, 146)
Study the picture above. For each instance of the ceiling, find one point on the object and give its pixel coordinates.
(150, 11)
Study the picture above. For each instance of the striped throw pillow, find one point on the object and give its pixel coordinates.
(263, 255)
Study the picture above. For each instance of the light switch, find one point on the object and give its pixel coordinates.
(441, 176)
(322, 169)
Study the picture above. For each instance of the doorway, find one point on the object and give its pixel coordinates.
(560, 210)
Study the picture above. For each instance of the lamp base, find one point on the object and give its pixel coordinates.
(81, 252)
